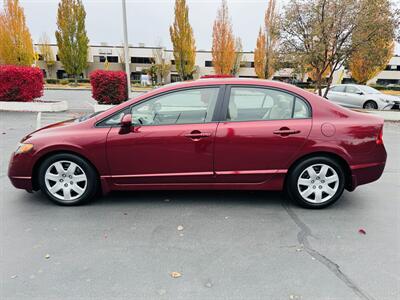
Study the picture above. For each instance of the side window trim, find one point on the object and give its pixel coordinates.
(215, 118)
(227, 94)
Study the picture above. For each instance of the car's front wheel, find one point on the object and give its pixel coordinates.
(316, 182)
(370, 104)
(67, 179)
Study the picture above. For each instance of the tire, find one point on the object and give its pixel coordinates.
(370, 104)
(314, 189)
(67, 179)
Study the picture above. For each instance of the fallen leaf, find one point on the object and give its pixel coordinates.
(208, 284)
(14, 276)
(362, 231)
(175, 274)
(180, 228)
(47, 256)
(125, 214)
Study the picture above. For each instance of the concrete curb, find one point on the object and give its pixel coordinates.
(55, 106)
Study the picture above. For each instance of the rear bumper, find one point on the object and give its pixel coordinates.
(366, 173)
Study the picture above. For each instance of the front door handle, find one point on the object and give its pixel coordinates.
(286, 131)
(196, 134)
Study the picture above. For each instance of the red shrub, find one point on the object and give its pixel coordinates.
(18, 83)
(109, 87)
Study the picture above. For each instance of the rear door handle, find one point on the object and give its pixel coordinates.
(286, 131)
(196, 134)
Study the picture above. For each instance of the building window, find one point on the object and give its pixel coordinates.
(141, 60)
(247, 64)
(112, 59)
(135, 76)
(99, 58)
(173, 62)
(175, 78)
(208, 63)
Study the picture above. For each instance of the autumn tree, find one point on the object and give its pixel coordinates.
(223, 46)
(259, 55)
(319, 33)
(15, 40)
(267, 42)
(47, 53)
(369, 59)
(238, 56)
(183, 42)
(72, 41)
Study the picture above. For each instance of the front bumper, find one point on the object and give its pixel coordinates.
(20, 171)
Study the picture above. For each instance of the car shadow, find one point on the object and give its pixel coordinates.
(254, 199)
(131, 198)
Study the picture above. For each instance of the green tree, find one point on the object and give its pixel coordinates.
(15, 40)
(371, 58)
(47, 53)
(183, 41)
(72, 41)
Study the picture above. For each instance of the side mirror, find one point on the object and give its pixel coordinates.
(360, 93)
(126, 121)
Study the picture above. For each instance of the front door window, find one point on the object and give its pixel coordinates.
(193, 106)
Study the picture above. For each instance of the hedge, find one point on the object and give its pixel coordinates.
(19, 83)
(109, 87)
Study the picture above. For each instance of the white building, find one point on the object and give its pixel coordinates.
(112, 57)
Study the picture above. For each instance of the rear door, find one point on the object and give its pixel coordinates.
(337, 94)
(354, 96)
(262, 130)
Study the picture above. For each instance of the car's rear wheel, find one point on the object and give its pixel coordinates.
(370, 104)
(316, 182)
(67, 179)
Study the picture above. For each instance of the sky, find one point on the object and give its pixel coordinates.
(149, 20)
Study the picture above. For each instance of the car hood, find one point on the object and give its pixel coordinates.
(49, 127)
(385, 97)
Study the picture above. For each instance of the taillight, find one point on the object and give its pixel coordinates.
(379, 138)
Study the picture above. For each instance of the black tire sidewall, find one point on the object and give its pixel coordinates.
(92, 182)
(370, 101)
(294, 174)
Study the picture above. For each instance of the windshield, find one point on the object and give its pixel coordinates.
(369, 90)
(86, 117)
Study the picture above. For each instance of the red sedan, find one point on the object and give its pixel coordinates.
(225, 134)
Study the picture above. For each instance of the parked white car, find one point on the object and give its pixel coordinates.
(361, 96)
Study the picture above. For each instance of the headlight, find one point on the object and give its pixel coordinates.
(386, 100)
(24, 148)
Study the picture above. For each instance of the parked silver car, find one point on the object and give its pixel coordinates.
(361, 96)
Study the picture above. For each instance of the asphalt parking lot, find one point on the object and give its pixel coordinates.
(225, 245)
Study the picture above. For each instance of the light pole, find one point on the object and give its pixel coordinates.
(126, 50)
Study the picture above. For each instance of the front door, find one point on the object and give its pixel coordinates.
(171, 140)
(264, 128)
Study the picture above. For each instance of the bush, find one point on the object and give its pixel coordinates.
(64, 81)
(18, 83)
(52, 81)
(109, 87)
